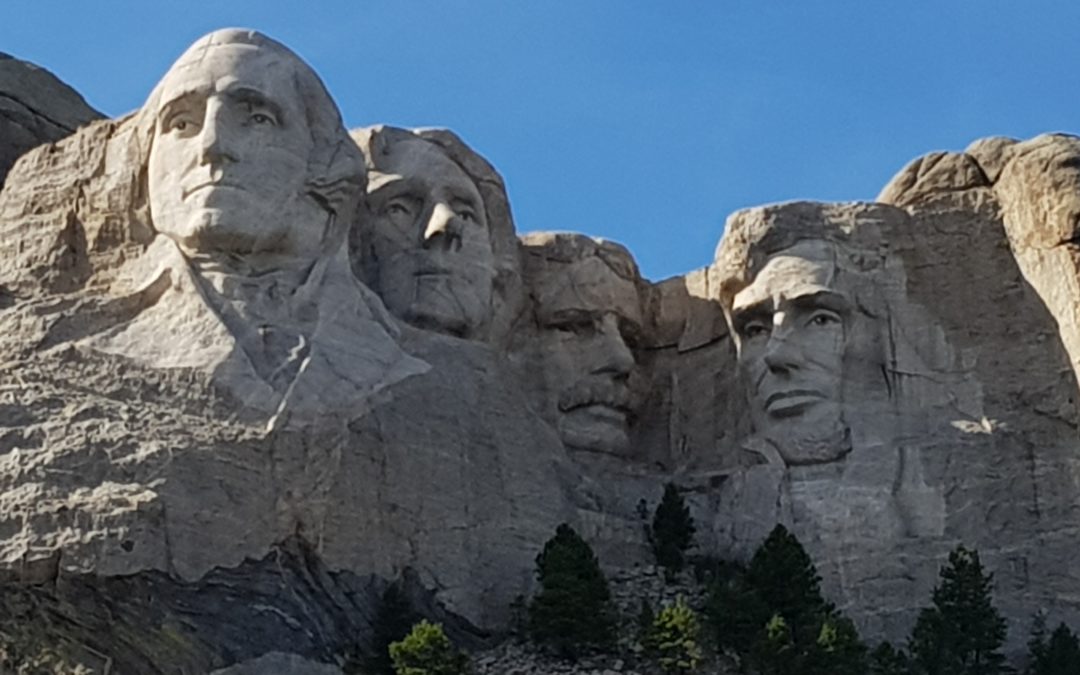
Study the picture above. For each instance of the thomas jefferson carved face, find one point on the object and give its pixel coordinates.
(430, 240)
(229, 160)
(589, 320)
(791, 323)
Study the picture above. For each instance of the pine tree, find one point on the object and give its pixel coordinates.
(672, 531)
(962, 633)
(394, 617)
(427, 651)
(674, 638)
(784, 577)
(775, 653)
(573, 610)
(1036, 644)
(839, 650)
(887, 660)
(1058, 656)
(736, 613)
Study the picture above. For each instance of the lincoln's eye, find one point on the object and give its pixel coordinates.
(755, 329)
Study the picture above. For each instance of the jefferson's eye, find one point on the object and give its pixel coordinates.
(396, 209)
(574, 325)
(260, 118)
(466, 214)
(824, 318)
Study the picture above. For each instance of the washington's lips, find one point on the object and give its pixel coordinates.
(604, 397)
(188, 191)
(791, 401)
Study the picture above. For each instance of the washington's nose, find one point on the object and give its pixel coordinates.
(213, 140)
(442, 228)
(615, 355)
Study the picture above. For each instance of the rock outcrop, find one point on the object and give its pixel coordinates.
(257, 369)
(35, 108)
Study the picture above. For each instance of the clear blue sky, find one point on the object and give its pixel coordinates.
(643, 122)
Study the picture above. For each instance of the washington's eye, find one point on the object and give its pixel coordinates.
(467, 214)
(260, 118)
(179, 122)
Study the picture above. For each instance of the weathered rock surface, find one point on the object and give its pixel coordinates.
(35, 108)
(256, 369)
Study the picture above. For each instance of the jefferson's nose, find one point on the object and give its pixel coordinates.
(615, 357)
(442, 229)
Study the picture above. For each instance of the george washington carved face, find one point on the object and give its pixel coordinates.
(229, 161)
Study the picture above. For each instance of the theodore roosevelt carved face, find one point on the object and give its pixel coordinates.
(588, 310)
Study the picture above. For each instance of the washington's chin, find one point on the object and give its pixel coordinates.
(595, 428)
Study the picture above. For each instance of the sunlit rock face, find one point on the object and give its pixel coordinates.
(35, 108)
(586, 327)
(880, 410)
(189, 264)
(435, 239)
(257, 368)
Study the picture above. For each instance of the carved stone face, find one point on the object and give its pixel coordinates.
(791, 323)
(430, 241)
(229, 159)
(589, 320)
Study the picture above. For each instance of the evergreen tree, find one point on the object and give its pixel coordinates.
(1058, 656)
(962, 633)
(672, 531)
(736, 613)
(1036, 644)
(394, 617)
(887, 660)
(572, 611)
(645, 619)
(775, 653)
(784, 577)
(674, 638)
(839, 650)
(427, 651)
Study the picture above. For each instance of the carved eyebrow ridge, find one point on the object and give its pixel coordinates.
(255, 97)
(825, 299)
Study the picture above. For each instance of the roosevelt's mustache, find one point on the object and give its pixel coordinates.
(596, 391)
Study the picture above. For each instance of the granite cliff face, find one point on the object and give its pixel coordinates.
(35, 108)
(256, 368)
